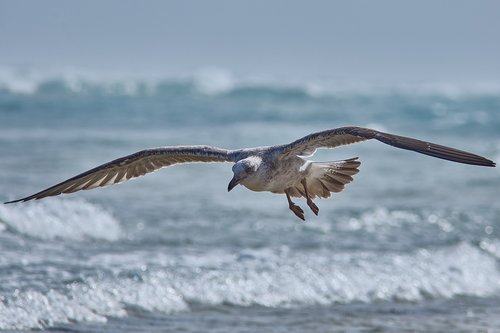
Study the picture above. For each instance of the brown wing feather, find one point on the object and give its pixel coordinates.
(326, 139)
(132, 166)
(346, 135)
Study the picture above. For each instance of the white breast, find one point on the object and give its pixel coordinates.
(278, 177)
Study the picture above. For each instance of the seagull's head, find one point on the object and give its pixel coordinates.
(244, 169)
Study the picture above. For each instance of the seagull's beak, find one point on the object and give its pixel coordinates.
(235, 181)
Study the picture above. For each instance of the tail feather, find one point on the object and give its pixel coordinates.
(327, 177)
(331, 183)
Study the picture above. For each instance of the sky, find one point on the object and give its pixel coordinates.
(372, 41)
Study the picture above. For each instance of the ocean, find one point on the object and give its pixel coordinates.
(411, 245)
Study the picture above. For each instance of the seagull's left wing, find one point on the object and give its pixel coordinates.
(132, 166)
(347, 135)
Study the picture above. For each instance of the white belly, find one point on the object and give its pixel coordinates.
(289, 174)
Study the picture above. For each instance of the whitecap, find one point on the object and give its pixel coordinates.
(288, 279)
(214, 81)
(90, 302)
(277, 278)
(60, 218)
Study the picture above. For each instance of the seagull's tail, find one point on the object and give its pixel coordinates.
(327, 177)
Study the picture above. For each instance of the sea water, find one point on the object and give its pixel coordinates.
(413, 244)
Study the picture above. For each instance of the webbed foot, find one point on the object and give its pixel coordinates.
(297, 211)
(313, 207)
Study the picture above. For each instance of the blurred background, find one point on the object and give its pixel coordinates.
(411, 245)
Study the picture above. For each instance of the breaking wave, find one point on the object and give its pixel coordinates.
(75, 99)
(270, 278)
(211, 81)
(63, 219)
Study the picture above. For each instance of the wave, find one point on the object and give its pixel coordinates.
(281, 278)
(76, 99)
(271, 278)
(214, 81)
(63, 219)
(92, 302)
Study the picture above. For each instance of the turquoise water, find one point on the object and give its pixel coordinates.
(411, 245)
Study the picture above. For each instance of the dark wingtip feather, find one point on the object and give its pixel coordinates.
(18, 200)
(13, 201)
(432, 149)
(489, 163)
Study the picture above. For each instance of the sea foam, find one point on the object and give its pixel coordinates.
(277, 278)
(60, 218)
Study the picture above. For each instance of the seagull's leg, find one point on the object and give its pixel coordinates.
(294, 208)
(310, 203)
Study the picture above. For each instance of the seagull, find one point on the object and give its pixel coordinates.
(281, 169)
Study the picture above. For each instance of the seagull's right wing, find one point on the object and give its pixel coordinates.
(347, 135)
(132, 166)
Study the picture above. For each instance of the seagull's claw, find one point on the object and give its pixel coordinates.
(298, 211)
(313, 207)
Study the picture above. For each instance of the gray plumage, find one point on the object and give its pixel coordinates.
(278, 169)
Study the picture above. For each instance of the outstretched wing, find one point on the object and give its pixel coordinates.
(132, 166)
(347, 135)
